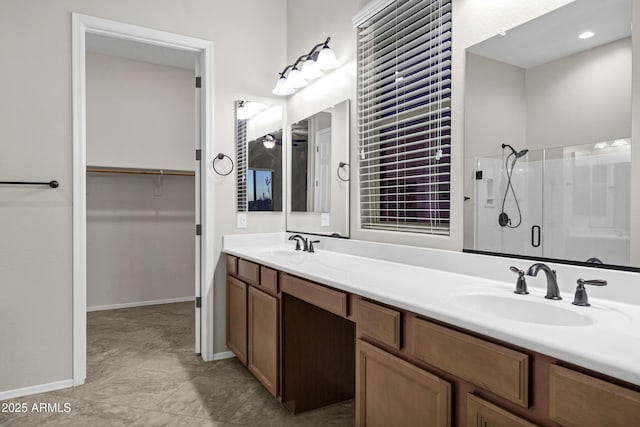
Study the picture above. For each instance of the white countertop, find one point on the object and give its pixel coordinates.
(609, 344)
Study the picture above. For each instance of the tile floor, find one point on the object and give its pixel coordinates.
(141, 371)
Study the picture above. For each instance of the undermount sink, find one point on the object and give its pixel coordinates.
(523, 310)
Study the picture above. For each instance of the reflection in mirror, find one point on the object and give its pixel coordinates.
(548, 137)
(319, 174)
(259, 163)
(310, 164)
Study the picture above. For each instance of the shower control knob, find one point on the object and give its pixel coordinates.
(521, 283)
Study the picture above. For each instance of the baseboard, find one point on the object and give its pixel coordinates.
(223, 355)
(35, 389)
(139, 304)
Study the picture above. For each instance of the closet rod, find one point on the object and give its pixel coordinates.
(141, 171)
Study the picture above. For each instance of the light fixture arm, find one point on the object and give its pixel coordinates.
(314, 50)
(300, 58)
(285, 70)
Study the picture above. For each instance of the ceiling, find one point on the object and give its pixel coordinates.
(140, 51)
(555, 35)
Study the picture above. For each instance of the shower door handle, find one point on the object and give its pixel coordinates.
(535, 236)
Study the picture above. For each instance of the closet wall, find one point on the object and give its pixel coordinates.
(140, 228)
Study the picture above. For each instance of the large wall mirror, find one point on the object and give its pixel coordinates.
(259, 150)
(548, 137)
(318, 170)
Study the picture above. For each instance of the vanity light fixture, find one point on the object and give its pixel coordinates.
(586, 35)
(326, 58)
(248, 109)
(269, 141)
(282, 87)
(319, 58)
(295, 79)
(620, 143)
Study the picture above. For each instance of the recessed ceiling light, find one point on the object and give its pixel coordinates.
(586, 35)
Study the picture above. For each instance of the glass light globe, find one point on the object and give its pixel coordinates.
(310, 70)
(282, 88)
(327, 59)
(295, 79)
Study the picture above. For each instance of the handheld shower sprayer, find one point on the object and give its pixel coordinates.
(518, 154)
(503, 218)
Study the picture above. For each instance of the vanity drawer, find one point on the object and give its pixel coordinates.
(249, 271)
(318, 295)
(378, 322)
(577, 399)
(481, 413)
(269, 280)
(493, 367)
(232, 264)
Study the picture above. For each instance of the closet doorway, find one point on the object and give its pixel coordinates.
(154, 163)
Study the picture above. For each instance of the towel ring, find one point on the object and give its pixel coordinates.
(340, 166)
(221, 156)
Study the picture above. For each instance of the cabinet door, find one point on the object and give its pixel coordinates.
(579, 400)
(237, 318)
(391, 392)
(481, 413)
(263, 338)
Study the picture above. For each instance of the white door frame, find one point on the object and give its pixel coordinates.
(81, 25)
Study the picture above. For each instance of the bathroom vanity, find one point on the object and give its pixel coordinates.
(312, 335)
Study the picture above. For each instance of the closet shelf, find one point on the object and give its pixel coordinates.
(168, 172)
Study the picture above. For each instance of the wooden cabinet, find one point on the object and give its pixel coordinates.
(237, 318)
(379, 323)
(263, 338)
(392, 392)
(495, 368)
(579, 400)
(481, 413)
(299, 339)
(321, 296)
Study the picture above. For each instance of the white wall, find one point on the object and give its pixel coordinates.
(581, 98)
(140, 238)
(36, 143)
(139, 114)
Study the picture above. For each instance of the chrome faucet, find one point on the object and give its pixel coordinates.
(553, 292)
(298, 238)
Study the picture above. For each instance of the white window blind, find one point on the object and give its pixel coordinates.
(404, 117)
(241, 162)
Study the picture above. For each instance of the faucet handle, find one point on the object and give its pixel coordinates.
(581, 297)
(311, 242)
(297, 245)
(521, 283)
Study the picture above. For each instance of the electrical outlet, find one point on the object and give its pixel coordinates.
(325, 219)
(241, 220)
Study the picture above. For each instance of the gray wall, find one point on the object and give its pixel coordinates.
(140, 241)
(139, 114)
(36, 143)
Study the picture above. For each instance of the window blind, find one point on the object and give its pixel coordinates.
(404, 117)
(241, 163)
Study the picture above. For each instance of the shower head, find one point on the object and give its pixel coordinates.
(521, 153)
(518, 154)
